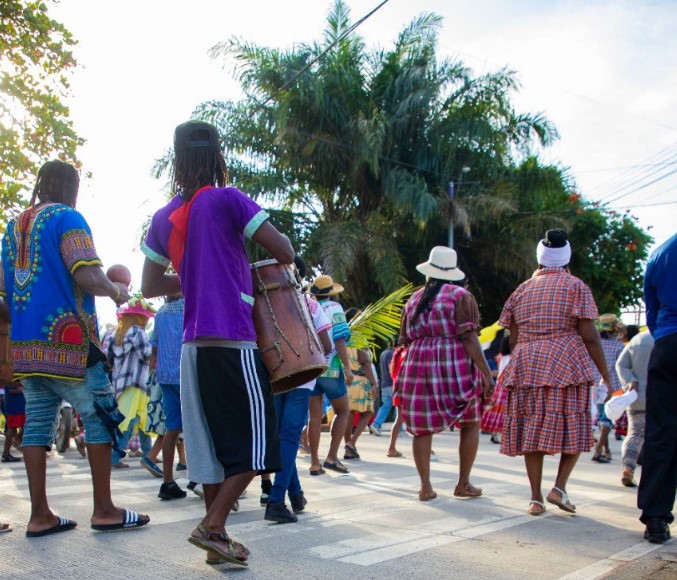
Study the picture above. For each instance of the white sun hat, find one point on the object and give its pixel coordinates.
(441, 265)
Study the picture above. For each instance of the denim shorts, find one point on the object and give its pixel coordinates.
(43, 403)
(333, 388)
(602, 419)
(171, 406)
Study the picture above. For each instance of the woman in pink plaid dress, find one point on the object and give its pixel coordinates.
(444, 372)
(551, 318)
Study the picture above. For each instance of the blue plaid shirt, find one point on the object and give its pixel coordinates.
(167, 337)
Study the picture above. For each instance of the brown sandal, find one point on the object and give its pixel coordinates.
(426, 493)
(207, 543)
(469, 491)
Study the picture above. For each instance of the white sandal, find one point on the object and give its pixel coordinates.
(563, 503)
(539, 504)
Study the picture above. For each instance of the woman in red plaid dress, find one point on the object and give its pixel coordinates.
(444, 372)
(551, 318)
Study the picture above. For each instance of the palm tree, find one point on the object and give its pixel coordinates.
(365, 142)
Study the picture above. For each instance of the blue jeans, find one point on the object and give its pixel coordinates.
(292, 410)
(384, 409)
(43, 402)
(123, 441)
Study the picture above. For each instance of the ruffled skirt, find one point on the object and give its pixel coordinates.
(492, 418)
(547, 420)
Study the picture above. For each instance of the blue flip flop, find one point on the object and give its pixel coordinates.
(63, 526)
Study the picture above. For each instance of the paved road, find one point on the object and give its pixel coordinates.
(368, 524)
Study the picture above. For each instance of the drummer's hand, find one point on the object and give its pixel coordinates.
(348, 374)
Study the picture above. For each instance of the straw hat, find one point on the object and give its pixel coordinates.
(607, 322)
(442, 264)
(138, 306)
(325, 286)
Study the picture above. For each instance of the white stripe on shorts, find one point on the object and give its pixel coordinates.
(255, 408)
(259, 394)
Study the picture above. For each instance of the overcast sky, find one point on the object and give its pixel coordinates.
(603, 71)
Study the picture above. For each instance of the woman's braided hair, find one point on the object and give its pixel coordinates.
(432, 288)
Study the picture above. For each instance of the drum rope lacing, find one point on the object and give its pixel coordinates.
(278, 331)
(312, 336)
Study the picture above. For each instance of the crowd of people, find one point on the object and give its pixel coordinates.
(559, 362)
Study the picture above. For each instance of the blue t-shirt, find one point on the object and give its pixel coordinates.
(53, 319)
(167, 337)
(660, 290)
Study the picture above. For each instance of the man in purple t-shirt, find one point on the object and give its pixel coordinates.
(230, 427)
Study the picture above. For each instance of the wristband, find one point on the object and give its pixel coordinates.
(115, 298)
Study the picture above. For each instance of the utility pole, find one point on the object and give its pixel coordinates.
(452, 196)
(451, 219)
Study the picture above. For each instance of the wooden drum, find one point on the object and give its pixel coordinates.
(285, 332)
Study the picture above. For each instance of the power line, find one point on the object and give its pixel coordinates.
(659, 158)
(341, 37)
(661, 178)
(623, 167)
(646, 205)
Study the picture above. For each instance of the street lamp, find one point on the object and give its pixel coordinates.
(452, 196)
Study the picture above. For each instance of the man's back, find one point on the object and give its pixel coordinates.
(660, 290)
(53, 319)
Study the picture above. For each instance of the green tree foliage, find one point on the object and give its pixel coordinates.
(608, 248)
(35, 59)
(366, 141)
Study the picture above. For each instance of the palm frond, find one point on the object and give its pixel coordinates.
(379, 322)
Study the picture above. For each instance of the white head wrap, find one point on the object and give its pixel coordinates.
(554, 257)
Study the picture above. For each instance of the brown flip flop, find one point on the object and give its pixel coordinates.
(317, 471)
(469, 491)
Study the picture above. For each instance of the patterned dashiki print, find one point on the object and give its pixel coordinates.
(438, 382)
(550, 371)
(53, 319)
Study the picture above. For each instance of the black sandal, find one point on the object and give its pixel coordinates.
(10, 458)
(351, 452)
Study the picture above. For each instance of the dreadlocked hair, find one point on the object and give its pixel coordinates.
(198, 167)
(57, 182)
(125, 323)
(432, 288)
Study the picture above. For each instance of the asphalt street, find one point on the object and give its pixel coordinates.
(367, 524)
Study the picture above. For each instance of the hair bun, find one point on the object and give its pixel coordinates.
(555, 239)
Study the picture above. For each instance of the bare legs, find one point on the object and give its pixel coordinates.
(603, 443)
(314, 426)
(156, 448)
(338, 428)
(352, 435)
(534, 465)
(394, 434)
(168, 445)
(467, 450)
(42, 518)
(10, 433)
(421, 446)
(219, 500)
